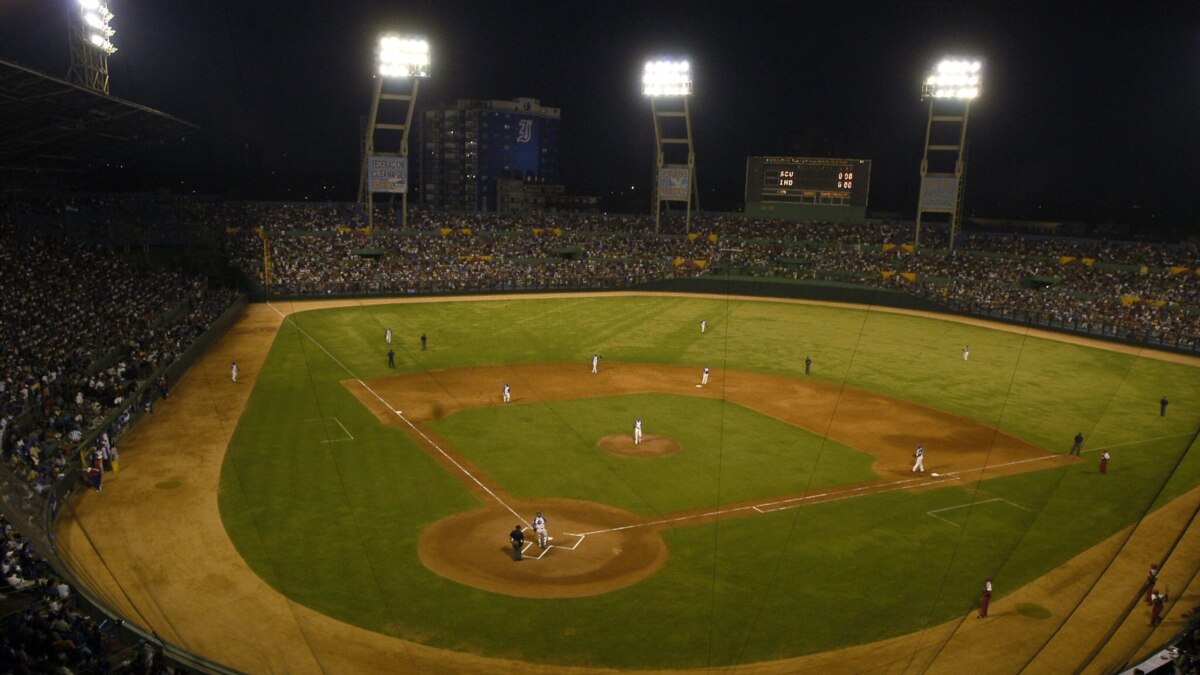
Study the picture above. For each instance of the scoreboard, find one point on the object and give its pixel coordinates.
(808, 180)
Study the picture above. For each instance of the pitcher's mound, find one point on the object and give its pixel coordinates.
(472, 548)
(651, 445)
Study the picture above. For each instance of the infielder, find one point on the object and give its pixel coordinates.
(966, 352)
(539, 525)
(919, 465)
(703, 325)
(595, 363)
(704, 377)
(233, 371)
(387, 336)
(637, 431)
(507, 393)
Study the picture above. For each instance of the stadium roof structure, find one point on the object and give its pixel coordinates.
(47, 122)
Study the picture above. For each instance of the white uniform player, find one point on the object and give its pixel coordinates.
(387, 336)
(507, 393)
(539, 526)
(637, 431)
(704, 377)
(233, 371)
(966, 352)
(919, 465)
(703, 325)
(595, 363)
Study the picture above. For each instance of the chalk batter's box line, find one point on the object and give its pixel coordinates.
(963, 506)
(542, 552)
(349, 436)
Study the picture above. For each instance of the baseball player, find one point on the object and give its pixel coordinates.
(703, 325)
(595, 363)
(507, 393)
(391, 358)
(808, 365)
(966, 352)
(704, 377)
(517, 539)
(1077, 447)
(1151, 579)
(233, 371)
(1104, 462)
(1156, 607)
(637, 431)
(1162, 406)
(539, 525)
(986, 598)
(387, 336)
(919, 465)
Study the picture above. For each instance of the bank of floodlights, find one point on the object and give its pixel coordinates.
(403, 56)
(955, 79)
(97, 20)
(667, 78)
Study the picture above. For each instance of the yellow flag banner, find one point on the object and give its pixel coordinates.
(345, 230)
(888, 247)
(911, 276)
(887, 274)
(557, 231)
(364, 230)
(1143, 270)
(1088, 261)
(677, 262)
(232, 230)
(539, 230)
(464, 230)
(1179, 270)
(1157, 303)
(1128, 300)
(445, 231)
(1066, 259)
(908, 247)
(259, 229)
(701, 263)
(713, 237)
(692, 236)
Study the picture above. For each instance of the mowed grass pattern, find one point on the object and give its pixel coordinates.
(334, 524)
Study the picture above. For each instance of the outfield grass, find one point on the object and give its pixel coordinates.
(332, 522)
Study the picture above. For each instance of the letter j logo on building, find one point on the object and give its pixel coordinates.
(525, 131)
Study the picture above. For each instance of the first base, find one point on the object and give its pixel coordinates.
(934, 475)
(697, 386)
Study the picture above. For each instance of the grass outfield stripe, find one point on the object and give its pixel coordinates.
(399, 414)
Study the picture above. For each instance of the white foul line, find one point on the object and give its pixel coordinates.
(400, 414)
(963, 506)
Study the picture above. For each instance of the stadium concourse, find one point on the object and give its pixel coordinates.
(87, 346)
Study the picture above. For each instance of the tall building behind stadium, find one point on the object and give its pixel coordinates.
(479, 155)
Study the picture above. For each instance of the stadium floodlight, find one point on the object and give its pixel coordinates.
(403, 56)
(667, 77)
(98, 21)
(955, 79)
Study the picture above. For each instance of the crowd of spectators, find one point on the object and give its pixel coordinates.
(83, 329)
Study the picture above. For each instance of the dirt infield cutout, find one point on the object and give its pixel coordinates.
(652, 445)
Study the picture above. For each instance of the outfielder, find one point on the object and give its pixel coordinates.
(233, 371)
(507, 393)
(919, 465)
(704, 377)
(966, 352)
(637, 431)
(387, 336)
(595, 363)
(703, 325)
(539, 525)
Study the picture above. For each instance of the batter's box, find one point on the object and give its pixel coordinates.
(996, 500)
(332, 429)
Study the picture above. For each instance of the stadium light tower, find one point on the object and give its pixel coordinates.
(950, 87)
(668, 85)
(91, 43)
(402, 61)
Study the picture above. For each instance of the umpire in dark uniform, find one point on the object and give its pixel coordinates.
(1162, 406)
(517, 537)
(1078, 447)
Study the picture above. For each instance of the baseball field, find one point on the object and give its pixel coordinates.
(768, 514)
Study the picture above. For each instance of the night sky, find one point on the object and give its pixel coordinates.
(1089, 111)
